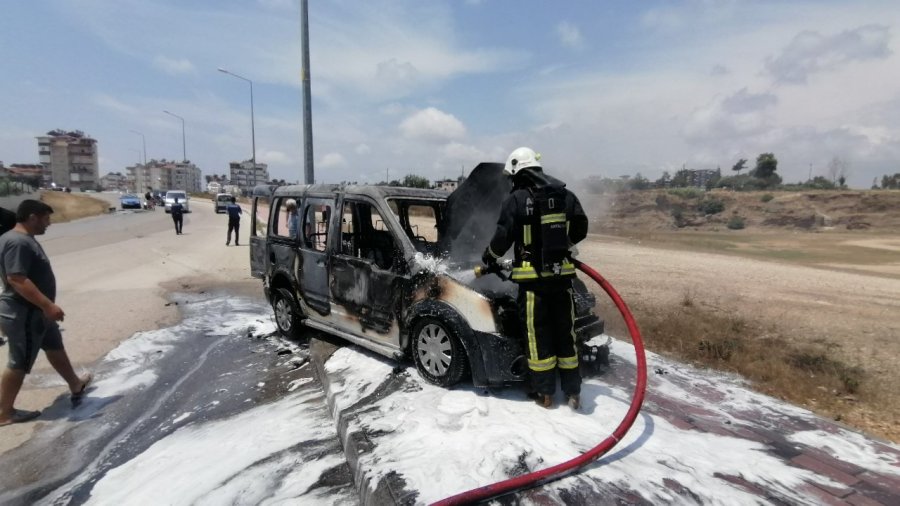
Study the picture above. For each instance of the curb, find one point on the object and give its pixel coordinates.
(372, 490)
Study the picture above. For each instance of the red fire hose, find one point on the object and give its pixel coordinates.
(560, 470)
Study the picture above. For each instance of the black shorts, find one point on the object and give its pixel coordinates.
(26, 335)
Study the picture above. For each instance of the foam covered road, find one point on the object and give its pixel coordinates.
(702, 438)
(215, 410)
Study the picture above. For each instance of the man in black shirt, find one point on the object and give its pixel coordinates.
(177, 211)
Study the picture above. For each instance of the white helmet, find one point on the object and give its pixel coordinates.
(521, 158)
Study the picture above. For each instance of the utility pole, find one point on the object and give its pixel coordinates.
(143, 143)
(183, 144)
(307, 107)
(810, 172)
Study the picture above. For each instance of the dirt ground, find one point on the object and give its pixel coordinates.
(823, 284)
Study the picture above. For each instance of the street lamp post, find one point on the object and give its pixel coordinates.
(252, 121)
(183, 147)
(143, 144)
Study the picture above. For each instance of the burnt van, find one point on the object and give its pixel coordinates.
(391, 269)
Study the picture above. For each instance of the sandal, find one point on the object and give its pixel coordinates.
(21, 415)
(77, 397)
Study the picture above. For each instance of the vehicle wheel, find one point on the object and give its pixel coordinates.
(287, 312)
(438, 353)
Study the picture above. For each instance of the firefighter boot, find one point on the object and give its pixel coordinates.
(543, 400)
(574, 401)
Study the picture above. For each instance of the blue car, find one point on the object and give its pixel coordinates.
(130, 201)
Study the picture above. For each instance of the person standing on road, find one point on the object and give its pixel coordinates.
(543, 220)
(28, 311)
(234, 221)
(177, 211)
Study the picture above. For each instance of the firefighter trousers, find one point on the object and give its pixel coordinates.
(548, 318)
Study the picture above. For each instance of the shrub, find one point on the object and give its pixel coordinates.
(687, 193)
(766, 198)
(711, 206)
(735, 223)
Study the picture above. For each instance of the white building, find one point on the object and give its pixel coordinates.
(69, 159)
(164, 175)
(245, 176)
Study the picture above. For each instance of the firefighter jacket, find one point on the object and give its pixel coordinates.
(539, 210)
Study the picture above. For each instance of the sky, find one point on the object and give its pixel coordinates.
(432, 88)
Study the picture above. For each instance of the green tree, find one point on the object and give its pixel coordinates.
(890, 182)
(414, 181)
(739, 166)
(681, 179)
(639, 182)
(664, 181)
(766, 165)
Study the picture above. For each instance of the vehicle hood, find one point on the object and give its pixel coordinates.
(472, 211)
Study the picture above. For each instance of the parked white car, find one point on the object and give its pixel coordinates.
(182, 197)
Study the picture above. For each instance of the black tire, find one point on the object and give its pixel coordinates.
(288, 316)
(438, 353)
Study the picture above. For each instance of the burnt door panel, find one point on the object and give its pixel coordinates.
(314, 264)
(364, 291)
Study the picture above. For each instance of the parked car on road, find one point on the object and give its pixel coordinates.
(130, 201)
(221, 202)
(182, 197)
(391, 269)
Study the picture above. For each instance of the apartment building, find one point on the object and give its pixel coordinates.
(114, 181)
(245, 176)
(446, 184)
(69, 159)
(164, 175)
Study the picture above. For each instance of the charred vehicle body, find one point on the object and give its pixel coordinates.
(391, 269)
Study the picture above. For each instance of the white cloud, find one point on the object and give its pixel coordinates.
(811, 52)
(569, 35)
(274, 157)
(173, 66)
(362, 149)
(432, 125)
(332, 161)
(115, 105)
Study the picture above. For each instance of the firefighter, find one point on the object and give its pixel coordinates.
(542, 220)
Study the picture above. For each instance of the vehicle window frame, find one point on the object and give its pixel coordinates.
(278, 218)
(308, 203)
(379, 225)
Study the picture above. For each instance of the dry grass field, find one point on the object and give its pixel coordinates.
(73, 206)
(802, 302)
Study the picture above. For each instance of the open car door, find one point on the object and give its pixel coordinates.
(259, 227)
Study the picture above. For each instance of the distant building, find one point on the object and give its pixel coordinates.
(245, 176)
(446, 184)
(69, 159)
(213, 187)
(698, 178)
(115, 181)
(164, 175)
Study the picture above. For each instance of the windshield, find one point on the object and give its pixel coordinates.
(224, 198)
(175, 195)
(422, 222)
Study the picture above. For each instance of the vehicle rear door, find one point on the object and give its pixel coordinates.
(259, 219)
(315, 231)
